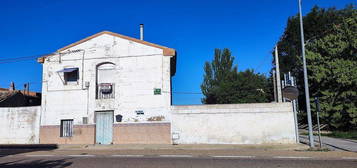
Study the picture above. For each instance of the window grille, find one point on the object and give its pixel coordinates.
(66, 128)
(105, 91)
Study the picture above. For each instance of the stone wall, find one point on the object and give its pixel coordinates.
(233, 124)
(19, 125)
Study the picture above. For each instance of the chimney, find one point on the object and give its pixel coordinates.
(141, 31)
(26, 88)
(12, 86)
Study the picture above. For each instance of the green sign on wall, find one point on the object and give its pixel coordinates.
(157, 91)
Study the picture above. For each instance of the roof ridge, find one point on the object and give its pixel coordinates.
(166, 51)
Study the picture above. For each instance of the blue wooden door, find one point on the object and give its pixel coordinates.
(104, 127)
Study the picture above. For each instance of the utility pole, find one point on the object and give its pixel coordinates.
(277, 70)
(307, 94)
(274, 85)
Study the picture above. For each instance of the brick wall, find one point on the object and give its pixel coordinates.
(142, 133)
(125, 133)
(82, 134)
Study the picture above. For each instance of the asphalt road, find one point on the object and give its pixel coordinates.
(137, 161)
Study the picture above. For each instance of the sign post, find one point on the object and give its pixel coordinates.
(292, 93)
(318, 118)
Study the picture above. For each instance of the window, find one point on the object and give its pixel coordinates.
(71, 75)
(105, 81)
(66, 128)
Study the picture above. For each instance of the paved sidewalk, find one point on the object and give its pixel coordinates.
(296, 151)
(185, 147)
(334, 143)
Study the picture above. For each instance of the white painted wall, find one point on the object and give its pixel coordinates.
(139, 69)
(19, 125)
(234, 124)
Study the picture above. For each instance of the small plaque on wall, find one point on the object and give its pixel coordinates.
(157, 91)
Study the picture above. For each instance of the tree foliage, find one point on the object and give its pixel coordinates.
(223, 84)
(331, 48)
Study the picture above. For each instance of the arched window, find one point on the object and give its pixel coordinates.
(105, 80)
(105, 73)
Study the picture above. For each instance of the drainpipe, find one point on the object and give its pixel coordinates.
(82, 68)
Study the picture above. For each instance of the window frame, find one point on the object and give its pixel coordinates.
(73, 76)
(66, 129)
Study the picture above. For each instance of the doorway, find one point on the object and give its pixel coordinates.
(104, 127)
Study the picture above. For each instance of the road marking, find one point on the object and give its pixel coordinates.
(81, 155)
(234, 156)
(39, 155)
(292, 157)
(127, 155)
(175, 155)
(350, 158)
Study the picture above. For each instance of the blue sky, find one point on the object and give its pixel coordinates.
(194, 28)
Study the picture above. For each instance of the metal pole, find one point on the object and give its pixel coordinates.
(278, 82)
(318, 118)
(296, 122)
(318, 125)
(295, 113)
(307, 94)
(283, 86)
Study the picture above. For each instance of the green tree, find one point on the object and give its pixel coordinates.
(223, 84)
(333, 73)
(218, 78)
(331, 60)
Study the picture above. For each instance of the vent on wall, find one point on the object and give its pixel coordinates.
(85, 120)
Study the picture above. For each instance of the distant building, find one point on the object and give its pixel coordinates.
(18, 98)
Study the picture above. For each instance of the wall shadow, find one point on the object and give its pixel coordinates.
(13, 149)
(60, 163)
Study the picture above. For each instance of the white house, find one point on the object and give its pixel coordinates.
(107, 89)
(113, 89)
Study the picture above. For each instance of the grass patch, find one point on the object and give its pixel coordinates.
(338, 134)
(318, 149)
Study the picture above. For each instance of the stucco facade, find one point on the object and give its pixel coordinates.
(138, 69)
(257, 123)
(113, 89)
(19, 125)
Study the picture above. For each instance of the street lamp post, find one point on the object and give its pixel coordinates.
(307, 94)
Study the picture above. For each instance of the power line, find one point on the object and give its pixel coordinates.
(5, 62)
(18, 59)
(263, 62)
(192, 93)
